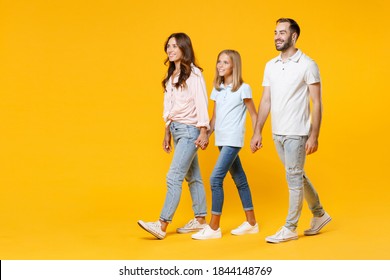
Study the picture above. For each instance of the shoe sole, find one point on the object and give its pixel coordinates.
(280, 241)
(179, 230)
(314, 232)
(243, 233)
(205, 238)
(143, 225)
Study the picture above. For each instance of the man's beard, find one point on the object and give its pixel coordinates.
(285, 45)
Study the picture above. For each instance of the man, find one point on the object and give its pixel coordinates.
(290, 81)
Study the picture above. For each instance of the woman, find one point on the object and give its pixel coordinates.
(186, 121)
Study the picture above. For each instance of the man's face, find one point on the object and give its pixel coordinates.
(283, 37)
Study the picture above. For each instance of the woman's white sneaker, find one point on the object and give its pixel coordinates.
(191, 226)
(153, 228)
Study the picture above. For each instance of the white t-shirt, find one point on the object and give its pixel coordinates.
(289, 86)
(230, 115)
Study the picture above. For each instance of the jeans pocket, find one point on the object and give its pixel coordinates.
(193, 132)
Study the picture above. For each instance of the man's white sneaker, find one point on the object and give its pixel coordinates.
(245, 228)
(153, 228)
(317, 223)
(207, 233)
(192, 226)
(284, 234)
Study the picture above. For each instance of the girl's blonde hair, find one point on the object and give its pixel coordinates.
(237, 72)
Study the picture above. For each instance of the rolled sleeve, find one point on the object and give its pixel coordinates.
(201, 102)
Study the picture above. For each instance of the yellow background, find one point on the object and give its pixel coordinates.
(81, 128)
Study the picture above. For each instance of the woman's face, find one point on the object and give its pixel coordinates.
(173, 51)
(224, 65)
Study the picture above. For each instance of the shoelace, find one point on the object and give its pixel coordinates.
(281, 231)
(155, 225)
(190, 223)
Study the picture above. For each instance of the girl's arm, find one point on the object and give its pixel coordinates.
(250, 106)
(210, 131)
(212, 121)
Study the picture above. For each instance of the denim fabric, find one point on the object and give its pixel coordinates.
(229, 161)
(291, 150)
(184, 165)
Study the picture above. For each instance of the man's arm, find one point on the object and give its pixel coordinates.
(316, 116)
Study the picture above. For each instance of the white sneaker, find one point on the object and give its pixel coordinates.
(207, 233)
(317, 223)
(192, 226)
(284, 234)
(245, 228)
(153, 228)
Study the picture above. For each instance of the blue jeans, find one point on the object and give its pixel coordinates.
(184, 165)
(291, 150)
(229, 161)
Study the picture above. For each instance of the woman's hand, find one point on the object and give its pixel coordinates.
(203, 139)
(167, 147)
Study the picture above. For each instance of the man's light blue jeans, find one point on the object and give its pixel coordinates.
(184, 165)
(229, 161)
(291, 150)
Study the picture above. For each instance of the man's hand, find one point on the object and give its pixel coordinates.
(311, 145)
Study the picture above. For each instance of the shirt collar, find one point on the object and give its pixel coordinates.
(295, 57)
(228, 86)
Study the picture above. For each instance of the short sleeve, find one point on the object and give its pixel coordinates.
(312, 74)
(266, 81)
(213, 95)
(246, 91)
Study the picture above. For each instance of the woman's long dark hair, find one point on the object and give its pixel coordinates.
(185, 45)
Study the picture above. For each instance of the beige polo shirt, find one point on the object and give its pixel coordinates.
(289, 86)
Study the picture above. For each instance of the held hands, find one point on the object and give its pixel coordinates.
(256, 142)
(203, 140)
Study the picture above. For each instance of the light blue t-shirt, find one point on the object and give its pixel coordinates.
(230, 115)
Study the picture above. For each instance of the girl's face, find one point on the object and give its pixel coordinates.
(224, 66)
(173, 51)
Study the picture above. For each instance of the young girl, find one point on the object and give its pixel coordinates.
(186, 121)
(232, 97)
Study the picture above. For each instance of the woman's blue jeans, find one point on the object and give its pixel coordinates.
(184, 165)
(229, 161)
